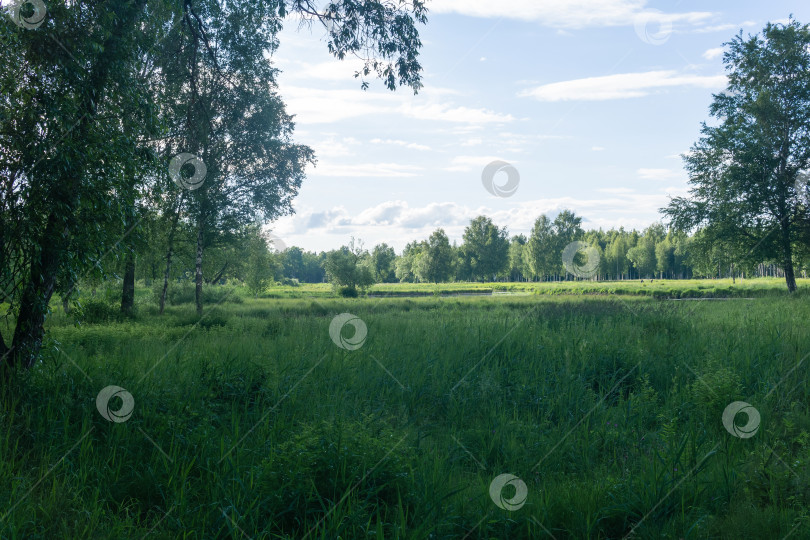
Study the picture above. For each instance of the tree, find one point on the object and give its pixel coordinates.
(349, 269)
(436, 261)
(74, 120)
(62, 154)
(485, 249)
(233, 120)
(680, 255)
(567, 228)
(518, 270)
(406, 263)
(746, 173)
(313, 267)
(292, 262)
(642, 255)
(261, 265)
(616, 254)
(664, 257)
(383, 258)
(541, 247)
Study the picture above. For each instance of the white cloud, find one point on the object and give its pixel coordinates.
(660, 174)
(327, 106)
(621, 86)
(321, 106)
(566, 13)
(331, 145)
(396, 222)
(466, 115)
(469, 163)
(616, 190)
(396, 142)
(725, 27)
(330, 70)
(366, 170)
(597, 148)
(711, 54)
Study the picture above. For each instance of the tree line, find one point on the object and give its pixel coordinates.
(487, 253)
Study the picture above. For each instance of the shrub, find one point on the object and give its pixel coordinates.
(96, 311)
(323, 461)
(184, 292)
(349, 291)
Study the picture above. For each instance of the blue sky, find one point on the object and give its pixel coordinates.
(591, 101)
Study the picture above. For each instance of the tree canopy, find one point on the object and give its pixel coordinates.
(748, 173)
(98, 98)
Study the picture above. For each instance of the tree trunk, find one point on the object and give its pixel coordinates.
(128, 292)
(198, 274)
(787, 253)
(36, 296)
(52, 246)
(169, 253)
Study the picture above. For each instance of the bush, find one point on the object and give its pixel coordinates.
(323, 461)
(95, 311)
(184, 292)
(348, 291)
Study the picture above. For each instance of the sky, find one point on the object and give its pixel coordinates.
(587, 104)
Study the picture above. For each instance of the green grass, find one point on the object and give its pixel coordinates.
(252, 423)
(686, 288)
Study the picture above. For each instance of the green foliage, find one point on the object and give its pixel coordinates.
(324, 460)
(485, 251)
(748, 170)
(95, 311)
(129, 86)
(406, 263)
(541, 247)
(261, 265)
(383, 258)
(183, 292)
(435, 263)
(349, 269)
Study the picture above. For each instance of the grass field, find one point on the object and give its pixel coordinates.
(605, 400)
(687, 288)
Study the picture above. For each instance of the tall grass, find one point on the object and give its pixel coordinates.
(251, 422)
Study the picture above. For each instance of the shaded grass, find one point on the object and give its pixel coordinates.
(251, 422)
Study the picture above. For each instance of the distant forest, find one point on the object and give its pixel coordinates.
(486, 253)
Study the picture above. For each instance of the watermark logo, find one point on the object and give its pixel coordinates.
(336, 331)
(28, 14)
(103, 404)
(653, 27)
(277, 243)
(496, 489)
(592, 258)
(512, 179)
(730, 415)
(187, 182)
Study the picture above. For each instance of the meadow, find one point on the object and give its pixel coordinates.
(605, 400)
